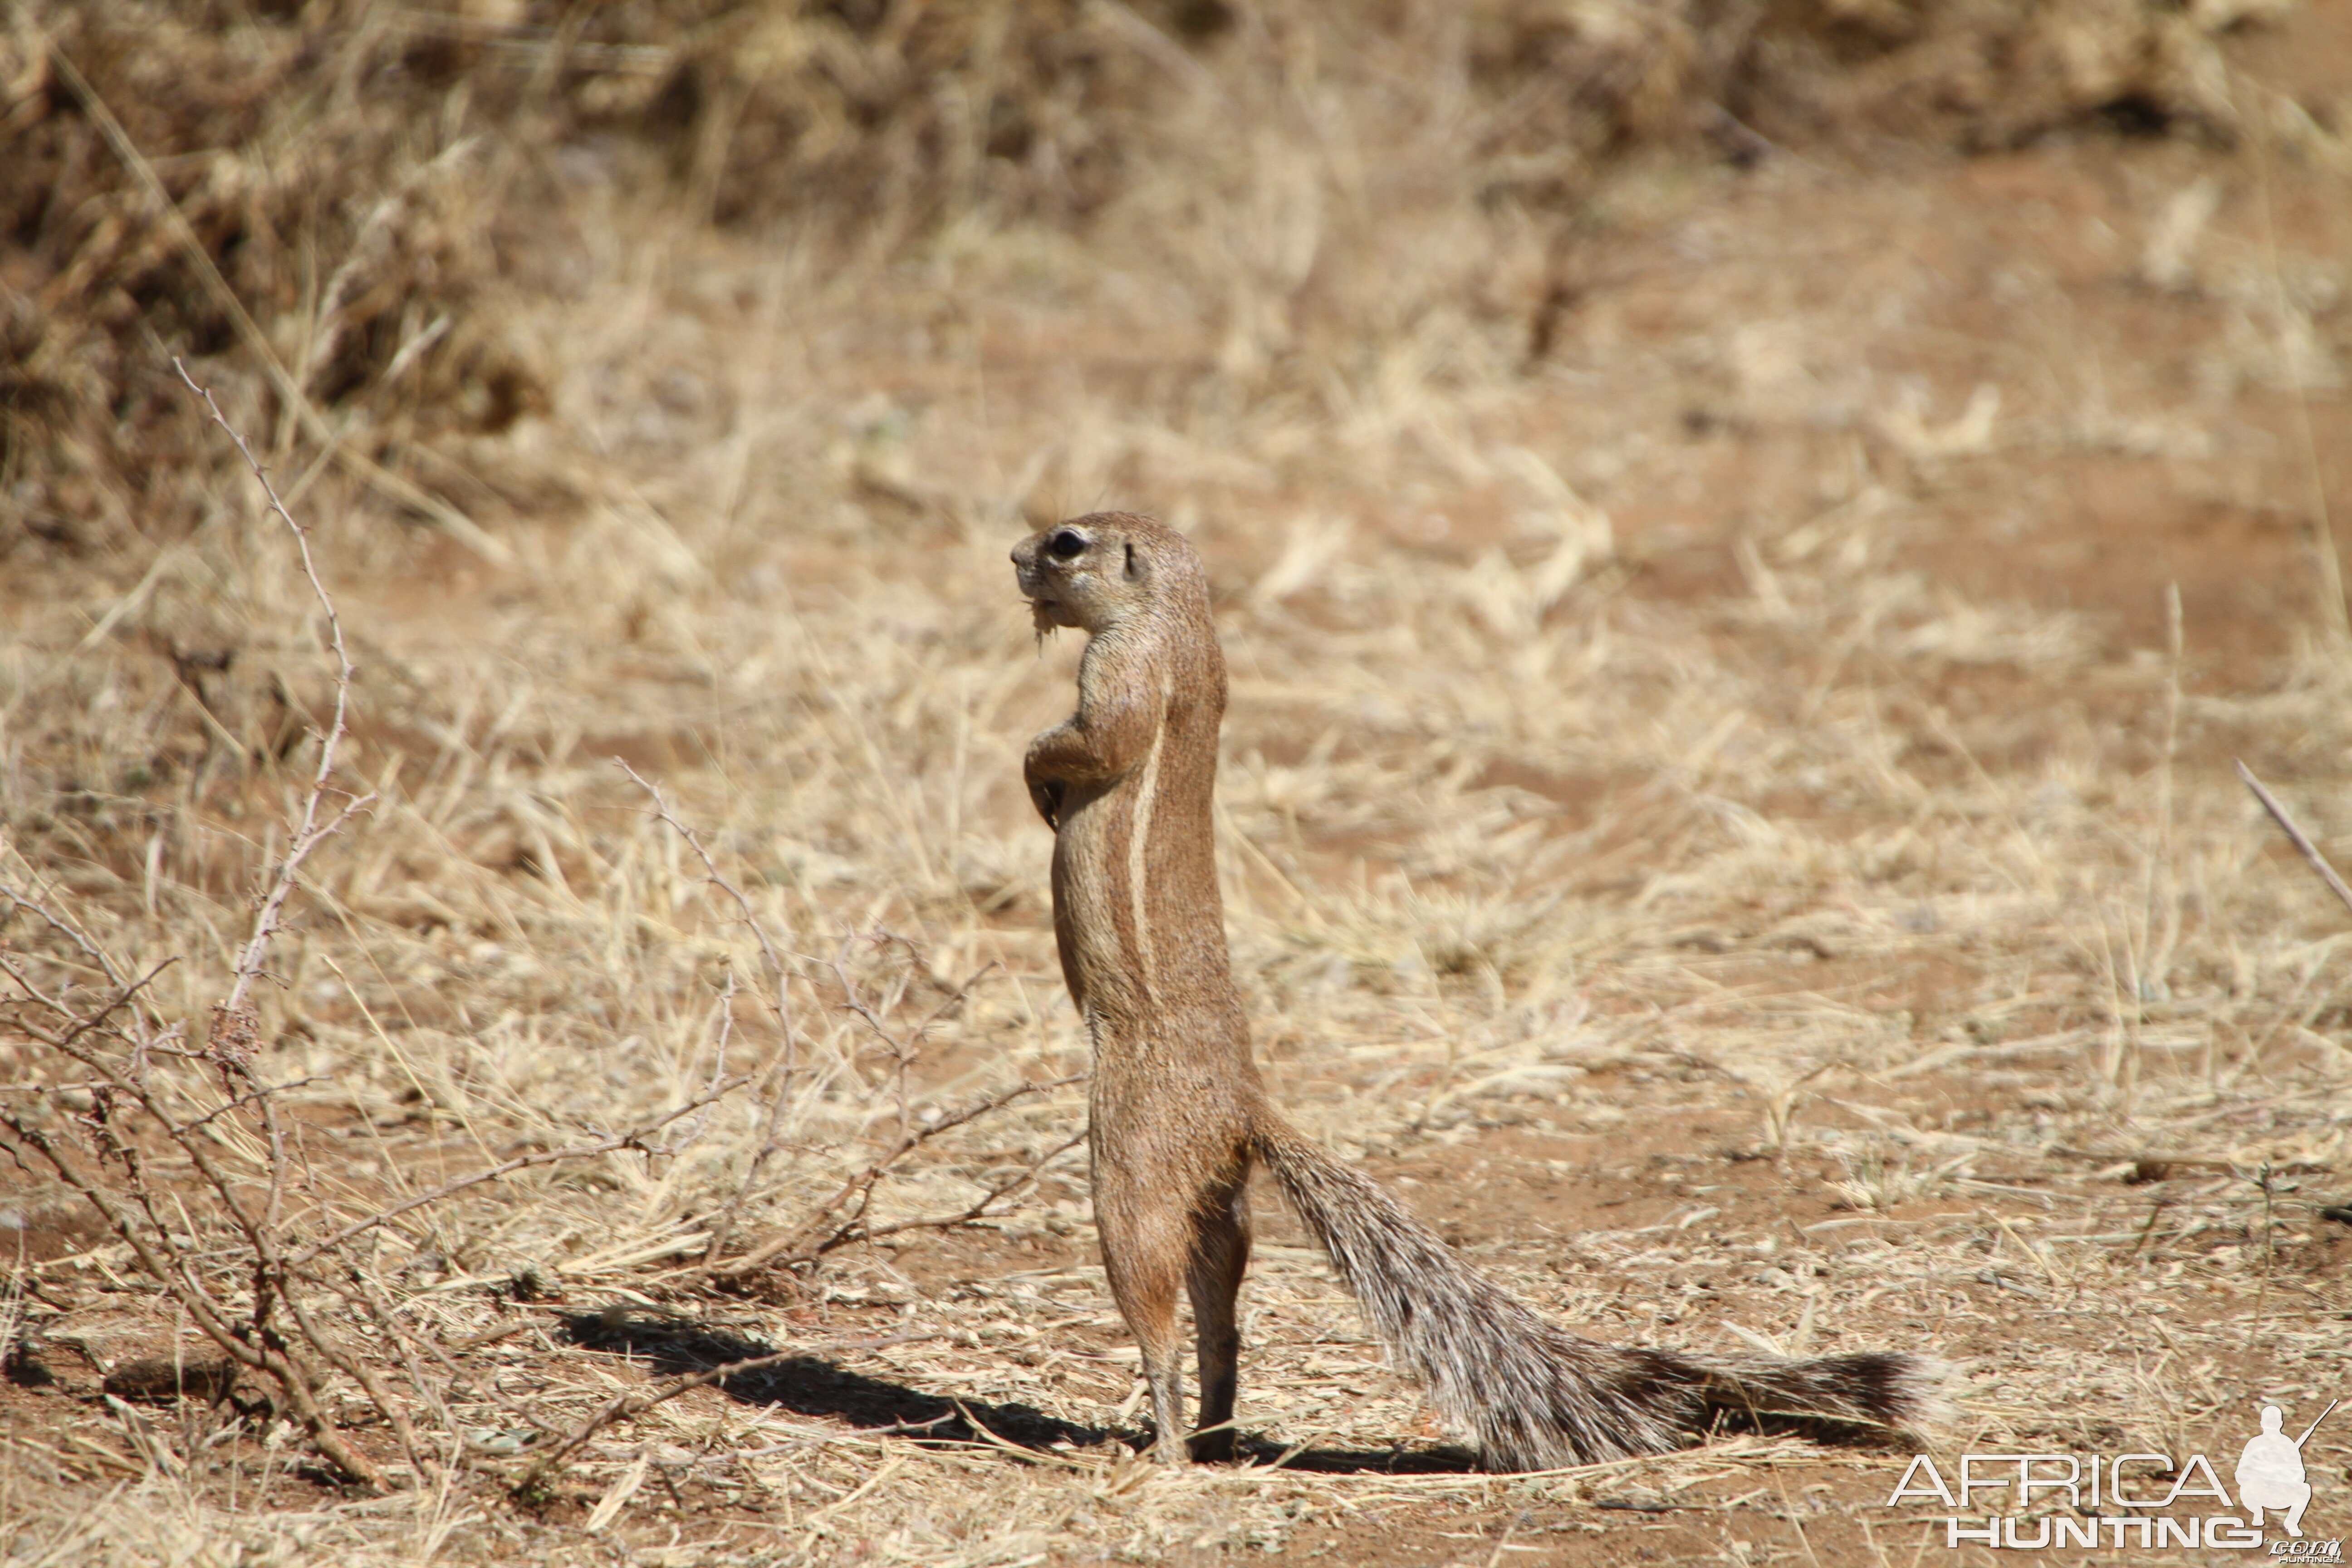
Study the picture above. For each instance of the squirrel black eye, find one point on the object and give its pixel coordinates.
(1065, 545)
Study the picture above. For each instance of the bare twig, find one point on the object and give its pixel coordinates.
(949, 1221)
(907, 1050)
(155, 1220)
(262, 1351)
(902, 1053)
(255, 1343)
(309, 831)
(79, 1023)
(811, 1239)
(236, 1023)
(782, 1251)
(778, 1002)
(718, 879)
(274, 1271)
(722, 1229)
(259, 1091)
(611, 1143)
(2309, 850)
(64, 928)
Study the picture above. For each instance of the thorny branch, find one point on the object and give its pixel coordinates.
(979, 1210)
(788, 1248)
(255, 1346)
(234, 1013)
(609, 1145)
(274, 1303)
(722, 1230)
(711, 874)
(250, 1337)
(904, 1051)
(809, 1240)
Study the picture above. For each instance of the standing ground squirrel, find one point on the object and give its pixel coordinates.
(1179, 1113)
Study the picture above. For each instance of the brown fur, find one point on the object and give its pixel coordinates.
(1179, 1113)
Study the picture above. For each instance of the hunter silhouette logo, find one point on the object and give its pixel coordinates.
(2270, 1471)
(2122, 1500)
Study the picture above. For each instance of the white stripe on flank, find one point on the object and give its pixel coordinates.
(1147, 793)
(1147, 790)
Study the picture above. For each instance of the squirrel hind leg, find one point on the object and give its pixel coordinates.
(1221, 1248)
(1149, 1308)
(1145, 1250)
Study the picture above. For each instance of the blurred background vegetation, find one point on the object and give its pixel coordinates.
(357, 191)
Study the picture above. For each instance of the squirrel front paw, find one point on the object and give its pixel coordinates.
(1045, 794)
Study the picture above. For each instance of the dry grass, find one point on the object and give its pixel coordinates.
(1649, 828)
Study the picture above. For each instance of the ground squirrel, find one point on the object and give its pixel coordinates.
(1179, 1114)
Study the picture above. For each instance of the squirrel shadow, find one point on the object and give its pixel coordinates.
(814, 1386)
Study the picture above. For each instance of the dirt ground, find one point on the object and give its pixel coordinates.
(1727, 807)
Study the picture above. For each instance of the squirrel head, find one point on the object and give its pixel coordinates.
(1094, 572)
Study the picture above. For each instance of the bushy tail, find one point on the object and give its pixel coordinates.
(1537, 1396)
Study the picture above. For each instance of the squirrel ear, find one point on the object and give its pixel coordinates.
(1134, 566)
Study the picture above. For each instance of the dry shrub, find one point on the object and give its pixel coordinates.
(330, 219)
(361, 189)
(880, 116)
(1987, 74)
